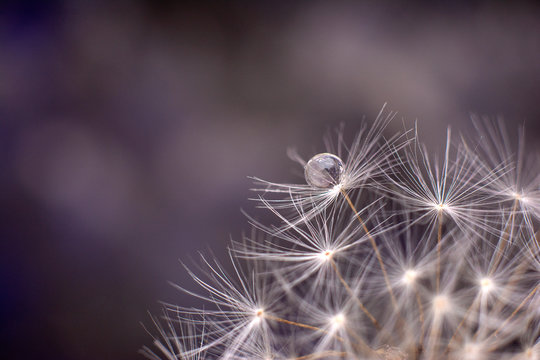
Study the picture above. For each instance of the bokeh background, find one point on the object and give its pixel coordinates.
(128, 130)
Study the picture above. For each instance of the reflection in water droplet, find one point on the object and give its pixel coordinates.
(324, 170)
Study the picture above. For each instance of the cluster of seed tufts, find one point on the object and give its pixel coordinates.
(387, 252)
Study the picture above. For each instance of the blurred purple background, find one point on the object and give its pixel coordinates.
(128, 130)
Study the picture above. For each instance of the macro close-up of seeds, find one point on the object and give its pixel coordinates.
(386, 251)
(270, 180)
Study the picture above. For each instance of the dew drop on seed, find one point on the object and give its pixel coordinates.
(324, 170)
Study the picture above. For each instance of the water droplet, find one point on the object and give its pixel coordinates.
(324, 170)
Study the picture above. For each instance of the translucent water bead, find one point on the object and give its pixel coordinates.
(324, 170)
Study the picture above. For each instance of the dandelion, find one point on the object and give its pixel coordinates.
(387, 252)
(519, 183)
(518, 187)
(343, 168)
(455, 188)
(171, 343)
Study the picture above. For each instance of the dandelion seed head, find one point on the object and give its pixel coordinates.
(324, 170)
(410, 276)
(486, 284)
(337, 189)
(441, 304)
(337, 321)
(258, 316)
(441, 207)
(326, 255)
(519, 197)
(406, 213)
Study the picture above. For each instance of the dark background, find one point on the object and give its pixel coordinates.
(128, 130)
